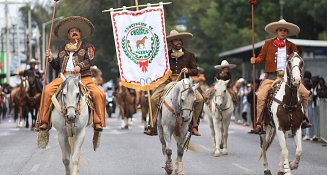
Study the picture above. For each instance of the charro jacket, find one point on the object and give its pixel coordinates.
(81, 58)
(187, 60)
(268, 54)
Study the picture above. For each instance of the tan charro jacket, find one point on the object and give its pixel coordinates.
(268, 54)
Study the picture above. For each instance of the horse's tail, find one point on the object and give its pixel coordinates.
(187, 145)
(267, 139)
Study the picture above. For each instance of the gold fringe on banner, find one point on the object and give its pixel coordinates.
(149, 87)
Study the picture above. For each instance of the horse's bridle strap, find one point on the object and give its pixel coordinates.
(169, 107)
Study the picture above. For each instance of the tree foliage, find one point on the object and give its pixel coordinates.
(217, 25)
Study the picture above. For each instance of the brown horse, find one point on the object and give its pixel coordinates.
(144, 108)
(33, 97)
(126, 104)
(19, 99)
(141, 42)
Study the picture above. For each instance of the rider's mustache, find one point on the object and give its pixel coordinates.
(74, 34)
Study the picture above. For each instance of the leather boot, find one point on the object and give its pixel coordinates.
(305, 123)
(259, 123)
(195, 132)
(151, 132)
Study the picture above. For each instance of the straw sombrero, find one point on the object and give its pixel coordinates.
(33, 61)
(200, 69)
(225, 63)
(95, 70)
(184, 36)
(292, 28)
(84, 25)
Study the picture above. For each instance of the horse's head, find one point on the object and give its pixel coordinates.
(294, 69)
(186, 98)
(24, 85)
(70, 96)
(220, 93)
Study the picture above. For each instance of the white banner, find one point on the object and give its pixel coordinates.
(141, 47)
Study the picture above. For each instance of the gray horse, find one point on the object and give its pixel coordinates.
(220, 110)
(70, 118)
(174, 117)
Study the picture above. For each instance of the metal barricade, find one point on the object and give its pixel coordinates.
(323, 119)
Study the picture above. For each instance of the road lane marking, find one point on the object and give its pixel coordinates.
(35, 168)
(205, 148)
(240, 166)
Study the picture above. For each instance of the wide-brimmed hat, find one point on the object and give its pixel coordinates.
(225, 63)
(84, 25)
(95, 70)
(184, 36)
(292, 28)
(200, 69)
(33, 61)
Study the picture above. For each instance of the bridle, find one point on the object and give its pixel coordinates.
(76, 107)
(289, 69)
(224, 102)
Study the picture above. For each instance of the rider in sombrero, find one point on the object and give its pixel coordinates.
(275, 52)
(181, 61)
(223, 73)
(33, 71)
(75, 57)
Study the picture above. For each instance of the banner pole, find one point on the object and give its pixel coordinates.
(253, 2)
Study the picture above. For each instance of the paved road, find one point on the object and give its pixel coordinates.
(130, 152)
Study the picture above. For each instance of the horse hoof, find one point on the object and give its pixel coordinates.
(293, 166)
(225, 152)
(216, 154)
(280, 173)
(267, 172)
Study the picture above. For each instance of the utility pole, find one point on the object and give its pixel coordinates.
(7, 55)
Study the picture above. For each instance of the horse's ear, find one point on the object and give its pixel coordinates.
(195, 86)
(216, 80)
(227, 81)
(63, 78)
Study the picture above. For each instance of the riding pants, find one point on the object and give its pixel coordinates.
(96, 93)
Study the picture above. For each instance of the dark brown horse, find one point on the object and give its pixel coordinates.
(144, 108)
(33, 97)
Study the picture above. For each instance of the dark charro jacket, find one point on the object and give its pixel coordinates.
(268, 54)
(81, 58)
(38, 76)
(187, 60)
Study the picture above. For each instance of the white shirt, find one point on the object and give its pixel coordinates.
(70, 64)
(281, 58)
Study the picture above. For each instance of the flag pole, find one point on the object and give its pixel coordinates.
(46, 63)
(148, 91)
(253, 2)
(136, 6)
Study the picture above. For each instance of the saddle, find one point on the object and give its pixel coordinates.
(87, 97)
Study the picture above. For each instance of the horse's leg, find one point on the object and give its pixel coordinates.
(211, 125)
(167, 136)
(225, 123)
(160, 133)
(79, 139)
(264, 146)
(298, 141)
(217, 127)
(284, 152)
(65, 150)
(180, 151)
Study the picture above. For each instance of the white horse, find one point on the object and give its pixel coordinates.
(70, 119)
(219, 111)
(175, 116)
(287, 115)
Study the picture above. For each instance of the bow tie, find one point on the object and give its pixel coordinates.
(70, 47)
(177, 54)
(279, 43)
